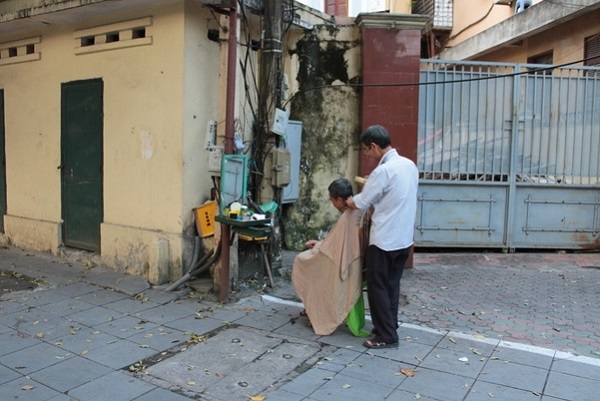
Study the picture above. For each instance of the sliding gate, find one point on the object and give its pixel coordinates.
(509, 156)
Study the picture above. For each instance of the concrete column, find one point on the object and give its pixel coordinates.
(391, 55)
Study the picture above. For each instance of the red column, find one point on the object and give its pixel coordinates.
(391, 55)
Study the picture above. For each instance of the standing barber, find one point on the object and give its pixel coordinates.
(392, 191)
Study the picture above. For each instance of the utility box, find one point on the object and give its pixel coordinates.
(281, 167)
(293, 142)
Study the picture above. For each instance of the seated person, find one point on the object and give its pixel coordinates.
(327, 277)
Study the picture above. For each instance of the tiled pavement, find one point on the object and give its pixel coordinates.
(476, 327)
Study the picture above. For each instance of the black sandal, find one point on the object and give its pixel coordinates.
(379, 344)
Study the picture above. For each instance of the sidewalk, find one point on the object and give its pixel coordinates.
(474, 327)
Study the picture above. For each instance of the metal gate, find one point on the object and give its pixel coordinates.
(509, 156)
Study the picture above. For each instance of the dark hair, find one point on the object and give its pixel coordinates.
(376, 134)
(340, 188)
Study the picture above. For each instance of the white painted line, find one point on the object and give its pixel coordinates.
(507, 344)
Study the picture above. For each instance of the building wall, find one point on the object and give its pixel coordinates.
(471, 17)
(325, 57)
(566, 42)
(158, 99)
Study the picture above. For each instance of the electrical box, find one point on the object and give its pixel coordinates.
(280, 158)
(215, 154)
(293, 142)
(234, 180)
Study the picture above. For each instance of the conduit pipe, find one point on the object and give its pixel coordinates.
(229, 137)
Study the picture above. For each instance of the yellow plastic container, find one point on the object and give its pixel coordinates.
(205, 219)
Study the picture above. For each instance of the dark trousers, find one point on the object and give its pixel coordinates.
(384, 271)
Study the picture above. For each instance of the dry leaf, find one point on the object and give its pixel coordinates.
(257, 398)
(417, 396)
(463, 359)
(39, 335)
(407, 372)
(346, 386)
(191, 383)
(452, 340)
(27, 388)
(221, 375)
(491, 395)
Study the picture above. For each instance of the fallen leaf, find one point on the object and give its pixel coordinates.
(463, 359)
(491, 395)
(39, 335)
(191, 383)
(27, 388)
(452, 340)
(346, 386)
(407, 372)
(221, 375)
(257, 398)
(476, 351)
(417, 396)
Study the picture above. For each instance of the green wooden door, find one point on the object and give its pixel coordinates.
(2, 164)
(81, 164)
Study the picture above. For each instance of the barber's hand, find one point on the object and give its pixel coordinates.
(350, 203)
(311, 243)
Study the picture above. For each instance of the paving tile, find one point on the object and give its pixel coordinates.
(483, 391)
(408, 352)
(115, 386)
(265, 320)
(7, 374)
(102, 296)
(119, 354)
(308, 382)
(125, 326)
(13, 340)
(66, 307)
(95, 316)
(576, 368)
(70, 373)
(408, 332)
(569, 387)
(282, 395)
(130, 305)
(82, 341)
(38, 298)
(163, 395)
(34, 358)
(162, 314)
(160, 338)
(348, 388)
(39, 323)
(8, 306)
(77, 289)
(515, 375)
(540, 360)
(375, 369)
(18, 390)
(438, 385)
(449, 360)
(198, 326)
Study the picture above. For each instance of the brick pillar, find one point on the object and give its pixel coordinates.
(391, 54)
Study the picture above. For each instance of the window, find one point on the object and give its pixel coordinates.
(337, 7)
(545, 59)
(20, 51)
(113, 36)
(591, 53)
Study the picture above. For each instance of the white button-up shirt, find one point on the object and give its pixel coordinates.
(392, 189)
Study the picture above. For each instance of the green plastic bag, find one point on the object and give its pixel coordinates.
(356, 318)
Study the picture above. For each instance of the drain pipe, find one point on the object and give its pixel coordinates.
(229, 136)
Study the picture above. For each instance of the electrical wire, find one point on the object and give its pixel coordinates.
(408, 84)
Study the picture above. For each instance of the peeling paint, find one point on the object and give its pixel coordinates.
(330, 117)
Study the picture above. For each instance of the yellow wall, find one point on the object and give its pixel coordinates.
(157, 102)
(471, 17)
(565, 41)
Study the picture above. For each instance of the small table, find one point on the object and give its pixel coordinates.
(254, 231)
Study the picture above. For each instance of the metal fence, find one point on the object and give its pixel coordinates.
(502, 146)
